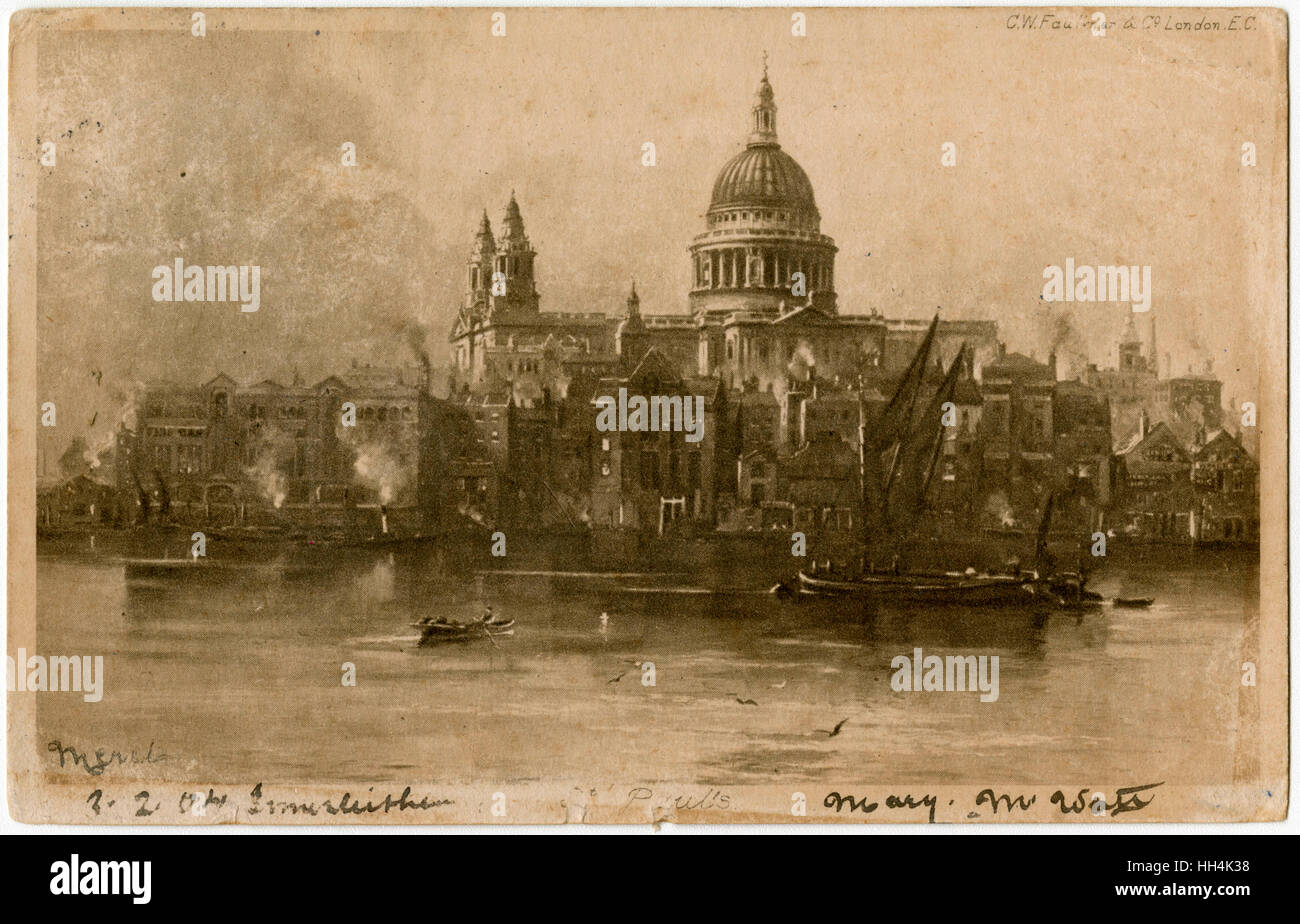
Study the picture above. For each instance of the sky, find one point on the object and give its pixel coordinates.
(225, 149)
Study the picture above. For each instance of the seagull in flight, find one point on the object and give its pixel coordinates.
(834, 731)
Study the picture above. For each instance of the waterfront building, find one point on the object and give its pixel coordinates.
(1226, 480)
(1016, 427)
(649, 481)
(223, 453)
(1081, 446)
(1154, 494)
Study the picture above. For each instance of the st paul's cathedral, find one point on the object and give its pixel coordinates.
(762, 307)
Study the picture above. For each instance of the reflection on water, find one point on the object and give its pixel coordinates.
(236, 673)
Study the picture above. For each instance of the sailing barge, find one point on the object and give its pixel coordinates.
(959, 589)
(898, 455)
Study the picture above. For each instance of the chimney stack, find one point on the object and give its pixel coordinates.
(1143, 424)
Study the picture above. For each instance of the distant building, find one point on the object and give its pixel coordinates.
(903, 337)
(791, 379)
(82, 500)
(1185, 403)
(830, 412)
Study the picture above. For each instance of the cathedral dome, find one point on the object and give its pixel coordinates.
(763, 175)
(762, 239)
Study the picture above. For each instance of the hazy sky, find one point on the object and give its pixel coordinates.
(226, 149)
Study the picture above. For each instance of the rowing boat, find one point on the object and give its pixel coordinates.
(432, 632)
(1134, 602)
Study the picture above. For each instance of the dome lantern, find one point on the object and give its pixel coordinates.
(764, 112)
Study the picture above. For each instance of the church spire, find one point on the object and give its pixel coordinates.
(484, 245)
(513, 226)
(513, 264)
(1130, 333)
(633, 303)
(764, 112)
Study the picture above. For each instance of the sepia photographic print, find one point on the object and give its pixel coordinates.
(626, 416)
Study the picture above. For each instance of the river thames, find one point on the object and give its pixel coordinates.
(235, 674)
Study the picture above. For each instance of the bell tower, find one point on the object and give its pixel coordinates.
(513, 265)
(478, 272)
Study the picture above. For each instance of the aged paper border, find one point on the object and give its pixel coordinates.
(36, 796)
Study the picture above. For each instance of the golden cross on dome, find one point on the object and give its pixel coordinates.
(764, 62)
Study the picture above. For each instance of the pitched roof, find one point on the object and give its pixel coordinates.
(221, 379)
(1222, 436)
(1017, 363)
(1160, 433)
(653, 362)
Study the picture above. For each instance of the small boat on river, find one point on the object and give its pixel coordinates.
(444, 630)
(1134, 602)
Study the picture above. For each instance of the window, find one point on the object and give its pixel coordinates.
(650, 470)
(188, 458)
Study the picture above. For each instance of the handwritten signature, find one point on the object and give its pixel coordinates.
(102, 759)
(1126, 799)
